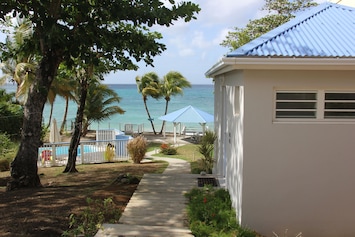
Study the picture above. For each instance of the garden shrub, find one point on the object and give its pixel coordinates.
(166, 149)
(7, 152)
(196, 167)
(206, 149)
(210, 213)
(5, 143)
(11, 115)
(90, 220)
(4, 164)
(137, 147)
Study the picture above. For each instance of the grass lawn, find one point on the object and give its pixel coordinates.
(188, 152)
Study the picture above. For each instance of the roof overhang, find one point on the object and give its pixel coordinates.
(228, 64)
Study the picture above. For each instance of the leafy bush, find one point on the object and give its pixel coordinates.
(7, 152)
(6, 160)
(90, 220)
(4, 165)
(137, 147)
(11, 115)
(211, 214)
(196, 167)
(206, 149)
(166, 149)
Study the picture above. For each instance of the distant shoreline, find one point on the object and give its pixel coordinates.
(129, 84)
(199, 96)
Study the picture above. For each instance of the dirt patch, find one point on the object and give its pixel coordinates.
(45, 211)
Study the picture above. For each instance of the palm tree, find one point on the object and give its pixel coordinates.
(24, 77)
(173, 84)
(67, 94)
(20, 68)
(65, 86)
(8, 71)
(149, 85)
(100, 104)
(83, 74)
(88, 79)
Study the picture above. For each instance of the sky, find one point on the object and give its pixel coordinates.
(194, 47)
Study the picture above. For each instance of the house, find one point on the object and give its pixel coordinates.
(285, 120)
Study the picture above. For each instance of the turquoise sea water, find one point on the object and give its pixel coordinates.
(199, 96)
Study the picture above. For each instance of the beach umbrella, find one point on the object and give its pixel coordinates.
(188, 114)
(54, 135)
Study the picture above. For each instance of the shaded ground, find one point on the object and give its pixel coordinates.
(45, 211)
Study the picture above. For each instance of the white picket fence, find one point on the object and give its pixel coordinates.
(56, 154)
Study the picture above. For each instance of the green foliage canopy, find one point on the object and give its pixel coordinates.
(11, 115)
(118, 31)
(279, 12)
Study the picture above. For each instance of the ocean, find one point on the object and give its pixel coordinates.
(199, 96)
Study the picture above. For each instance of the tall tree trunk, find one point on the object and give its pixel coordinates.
(85, 127)
(50, 116)
(166, 111)
(75, 139)
(149, 117)
(65, 115)
(24, 167)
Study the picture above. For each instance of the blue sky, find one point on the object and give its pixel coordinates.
(194, 47)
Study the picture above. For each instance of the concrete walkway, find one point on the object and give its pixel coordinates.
(157, 207)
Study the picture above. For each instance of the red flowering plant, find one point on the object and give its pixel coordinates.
(164, 146)
(166, 149)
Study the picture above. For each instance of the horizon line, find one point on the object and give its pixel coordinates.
(200, 84)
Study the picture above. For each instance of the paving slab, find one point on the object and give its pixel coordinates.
(147, 231)
(158, 206)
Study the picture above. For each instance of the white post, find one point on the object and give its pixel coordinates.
(54, 155)
(174, 132)
(82, 152)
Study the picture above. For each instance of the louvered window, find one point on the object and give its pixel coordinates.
(296, 104)
(318, 105)
(339, 105)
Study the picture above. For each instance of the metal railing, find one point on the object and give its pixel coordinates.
(56, 154)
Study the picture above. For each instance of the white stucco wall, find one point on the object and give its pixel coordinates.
(296, 176)
(229, 124)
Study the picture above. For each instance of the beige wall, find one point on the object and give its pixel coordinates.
(228, 116)
(294, 176)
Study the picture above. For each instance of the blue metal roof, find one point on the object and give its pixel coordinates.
(188, 114)
(327, 30)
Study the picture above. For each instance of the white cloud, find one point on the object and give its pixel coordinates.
(186, 52)
(211, 27)
(221, 35)
(199, 40)
(228, 12)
